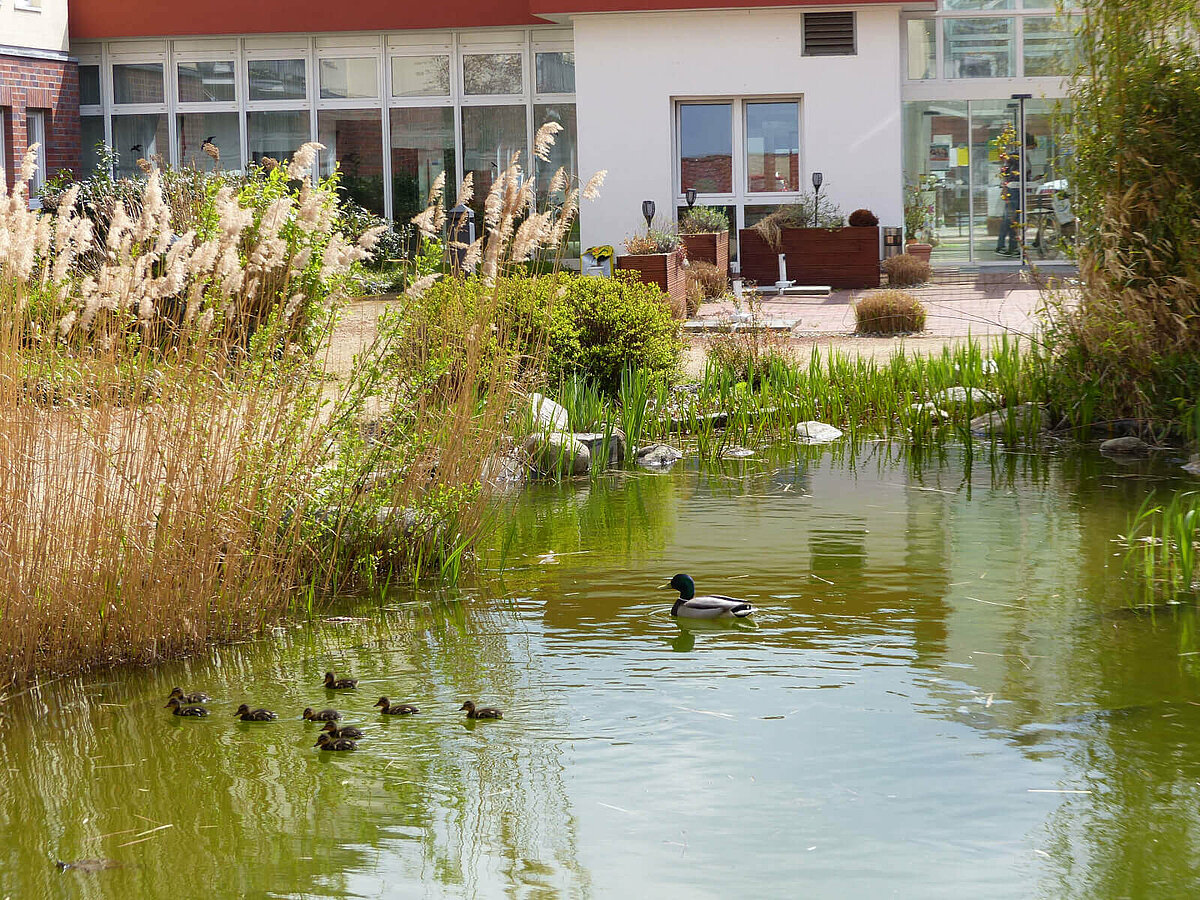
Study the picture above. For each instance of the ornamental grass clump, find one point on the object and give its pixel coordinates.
(889, 312)
(906, 270)
(704, 282)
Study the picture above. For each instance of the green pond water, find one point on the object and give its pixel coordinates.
(945, 695)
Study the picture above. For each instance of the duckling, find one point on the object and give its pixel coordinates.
(325, 742)
(339, 684)
(197, 697)
(346, 731)
(711, 606)
(179, 709)
(246, 714)
(395, 709)
(483, 712)
(323, 715)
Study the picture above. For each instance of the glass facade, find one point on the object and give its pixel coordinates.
(353, 140)
(89, 85)
(421, 76)
(355, 78)
(275, 134)
(139, 137)
(492, 73)
(772, 147)
(706, 147)
(206, 82)
(193, 130)
(91, 134)
(137, 83)
(490, 136)
(277, 79)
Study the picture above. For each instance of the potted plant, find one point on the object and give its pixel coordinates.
(657, 256)
(816, 244)
(705, 233)
(918, 220)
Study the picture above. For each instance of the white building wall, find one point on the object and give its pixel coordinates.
(631, 68)
(33, 24)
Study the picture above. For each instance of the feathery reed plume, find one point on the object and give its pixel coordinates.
(543, 141)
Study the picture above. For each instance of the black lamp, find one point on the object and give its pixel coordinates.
(817, 179)
(690, 196)
(648, 212)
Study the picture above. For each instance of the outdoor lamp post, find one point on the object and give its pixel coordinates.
(817, 179)
(690, 196)
(648, 212)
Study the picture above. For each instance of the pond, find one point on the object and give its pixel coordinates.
(945, 693)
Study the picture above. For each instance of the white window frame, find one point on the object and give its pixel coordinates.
(35, 133)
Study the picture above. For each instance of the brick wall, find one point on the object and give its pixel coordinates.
(40, 84)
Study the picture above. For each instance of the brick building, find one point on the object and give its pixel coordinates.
(39, 89)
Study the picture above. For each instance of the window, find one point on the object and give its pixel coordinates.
(275, 134)
(89, 85)
(556, 73)
(490, 136)
(493, 73)
(706, 147)
(206, 82)
(91, 139)
(138, 83)
(277, 79)
(829, 34)
(350, 79)
(3, 155)
(773, 147)
(422, 149)
(980, 48)
(138, 137)
(565, 152)
(421, 76)
(922, 49)
(979, 4)
(35, 132)
(220, 129)
(1050, 47)
(29, 5)
(353, 140)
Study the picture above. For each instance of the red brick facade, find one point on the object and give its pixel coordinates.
(46, 84)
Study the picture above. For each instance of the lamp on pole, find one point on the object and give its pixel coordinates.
(817, 180)
(690, 196)
(648, 212)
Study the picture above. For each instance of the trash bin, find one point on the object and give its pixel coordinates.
(460, 234)
(893, 241)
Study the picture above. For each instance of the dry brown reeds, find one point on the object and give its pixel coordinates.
(906, 270)
(889, 312)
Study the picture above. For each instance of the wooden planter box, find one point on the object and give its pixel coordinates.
(710, 248)
(840, 258)
(663, 269)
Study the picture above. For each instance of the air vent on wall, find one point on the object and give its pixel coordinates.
(829, 34)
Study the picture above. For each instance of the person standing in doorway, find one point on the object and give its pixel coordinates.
(1010, 193)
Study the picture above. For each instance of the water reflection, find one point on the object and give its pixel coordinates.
(942, 647)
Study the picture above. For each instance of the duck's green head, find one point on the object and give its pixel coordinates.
(685, 586)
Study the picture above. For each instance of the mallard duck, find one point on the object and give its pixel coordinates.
(180, 709)
(246, 714)
(346, 731)
(395, 709)
(339, 684)
(197, 697)
(483, 712)
(325, 742)
(711, 606)
(321, 715)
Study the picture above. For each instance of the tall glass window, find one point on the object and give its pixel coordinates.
(219, 129)
(138, 137)
(490, 136)
(277, 79)
(89, 85)
(706, 147)
(91, 134)
(565, 152)
(493, 73)
(277, 134)
(349, 79)
(980, 48)
(922, 49)
(353, 140)
(421, 76)
(138, 83)
(772, 147)
(422, 149)
(206, 82)
(1050, 45)
(556, 73)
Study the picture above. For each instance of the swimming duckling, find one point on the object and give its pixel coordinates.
(346, 731)
(325, 742)
(483, 712)
(395, 709)
(197, 697)
(712, 606)
(339, 684)
(246, 714)
(179, 709)
(323, 715)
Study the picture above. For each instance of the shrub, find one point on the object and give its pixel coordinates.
(906, 270)
(704, 220)
(813, 211)
(706, 279)
(889, 312)
(655, 240)
(749, 355)
(863, 218)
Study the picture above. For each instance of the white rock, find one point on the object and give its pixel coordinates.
(549, 414)
(959, 396)
(816, 433)
(556, 454)
(1026, 417)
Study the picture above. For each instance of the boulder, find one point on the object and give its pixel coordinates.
(1128, 445)
(658, 456)
(816, 433)
(936, 415)
(594, 441)
(556, 455)
(505, 470)
(548, 414)
(1027, 417)
(736, 453)
(961, 396)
